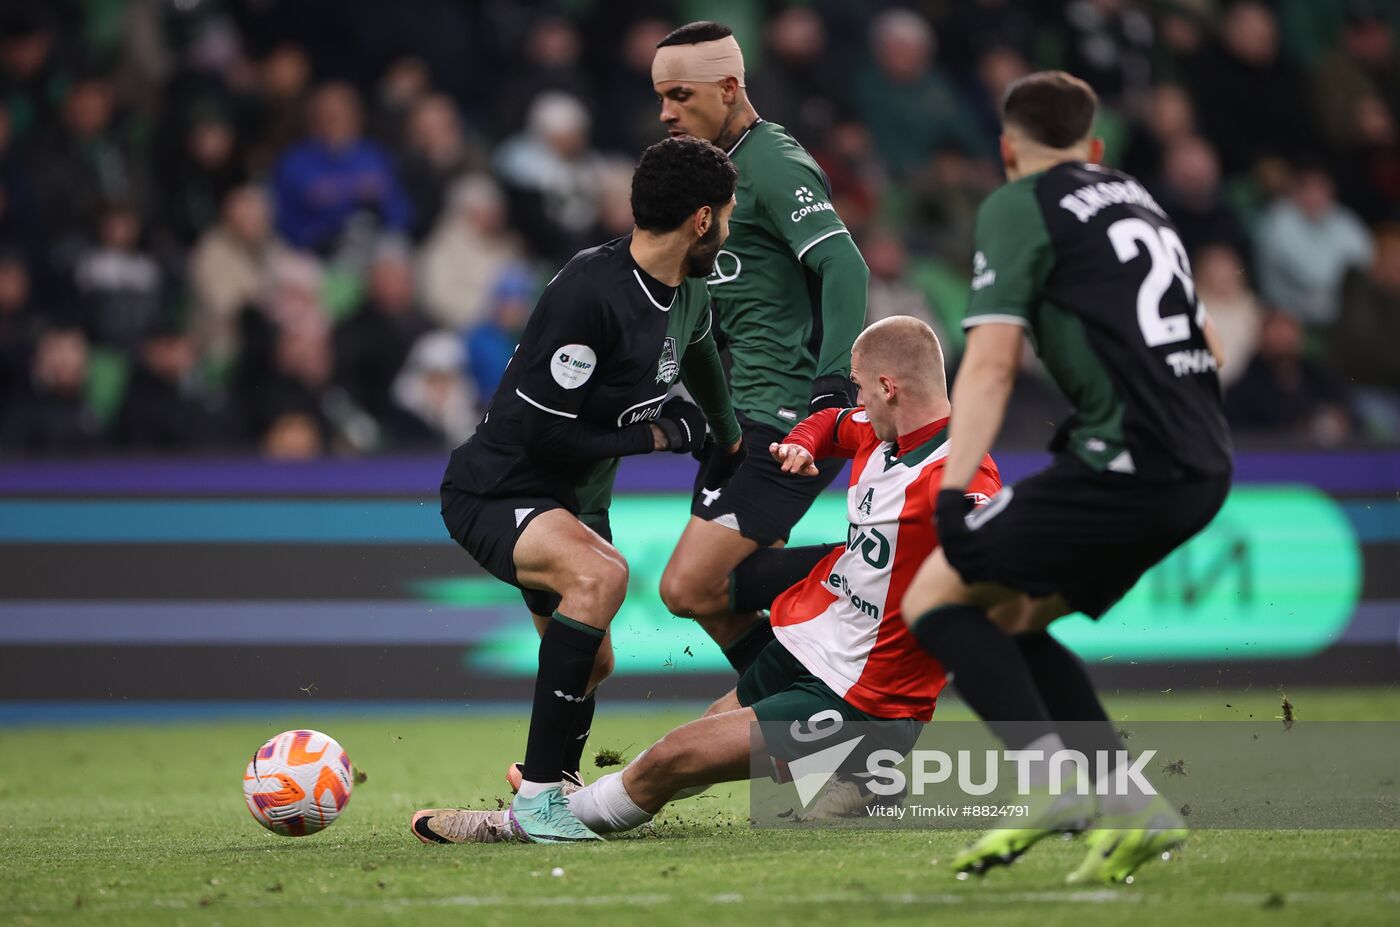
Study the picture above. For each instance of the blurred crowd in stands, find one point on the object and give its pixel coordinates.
(319, 226)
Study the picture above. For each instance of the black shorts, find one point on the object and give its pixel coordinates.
(1085, 535)
(488, 529)
(761, 502)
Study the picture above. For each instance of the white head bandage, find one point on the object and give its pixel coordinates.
(700, 63)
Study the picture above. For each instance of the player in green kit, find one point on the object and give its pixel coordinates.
(1081, 260)
(789, 293)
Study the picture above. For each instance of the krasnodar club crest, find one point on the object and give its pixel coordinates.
(667, 369)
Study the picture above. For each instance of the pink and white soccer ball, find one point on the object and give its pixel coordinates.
(298, 783)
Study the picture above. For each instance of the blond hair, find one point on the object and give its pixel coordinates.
(906, 350)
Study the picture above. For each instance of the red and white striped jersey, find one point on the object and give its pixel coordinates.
(843, 621)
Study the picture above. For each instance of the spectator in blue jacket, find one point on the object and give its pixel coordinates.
(491, 344)
(335, 176)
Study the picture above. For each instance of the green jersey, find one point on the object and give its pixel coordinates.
(768, 303)
(1084, 259)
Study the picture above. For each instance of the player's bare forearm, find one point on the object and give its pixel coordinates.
(980, 394)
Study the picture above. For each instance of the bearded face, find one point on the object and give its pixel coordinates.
(700, 261)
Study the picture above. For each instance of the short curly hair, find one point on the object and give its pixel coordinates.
(677, 176)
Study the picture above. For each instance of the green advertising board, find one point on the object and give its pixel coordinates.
(1276, 575)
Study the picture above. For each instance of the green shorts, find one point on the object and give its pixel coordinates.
(799, 714)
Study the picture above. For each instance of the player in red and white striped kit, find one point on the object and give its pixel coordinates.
(843, 654)
(843, 623)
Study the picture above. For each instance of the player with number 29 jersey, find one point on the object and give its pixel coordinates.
(1082, 260)
(1064, 252)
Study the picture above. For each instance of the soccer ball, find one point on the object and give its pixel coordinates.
(298, 783)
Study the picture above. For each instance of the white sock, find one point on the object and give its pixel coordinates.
(605, 807)
(530, 789)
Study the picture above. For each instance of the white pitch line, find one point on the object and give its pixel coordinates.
(547, 901)
(1124, 895)
(974, 897)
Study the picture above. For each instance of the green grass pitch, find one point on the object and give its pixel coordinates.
(145, 824)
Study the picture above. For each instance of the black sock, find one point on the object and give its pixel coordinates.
(578, 737)
(768, 572)
(1068, 694)
(567, 651)
(989, 672)
(745, 648)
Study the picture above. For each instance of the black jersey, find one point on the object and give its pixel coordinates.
(603, 348)
(1086, 260)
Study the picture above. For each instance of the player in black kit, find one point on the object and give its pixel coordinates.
(1082, 260)
(527, 496)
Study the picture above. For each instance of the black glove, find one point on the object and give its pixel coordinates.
(683, 425)
(830, 392)
(717, 465)
(961, 545)
(950, 512)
